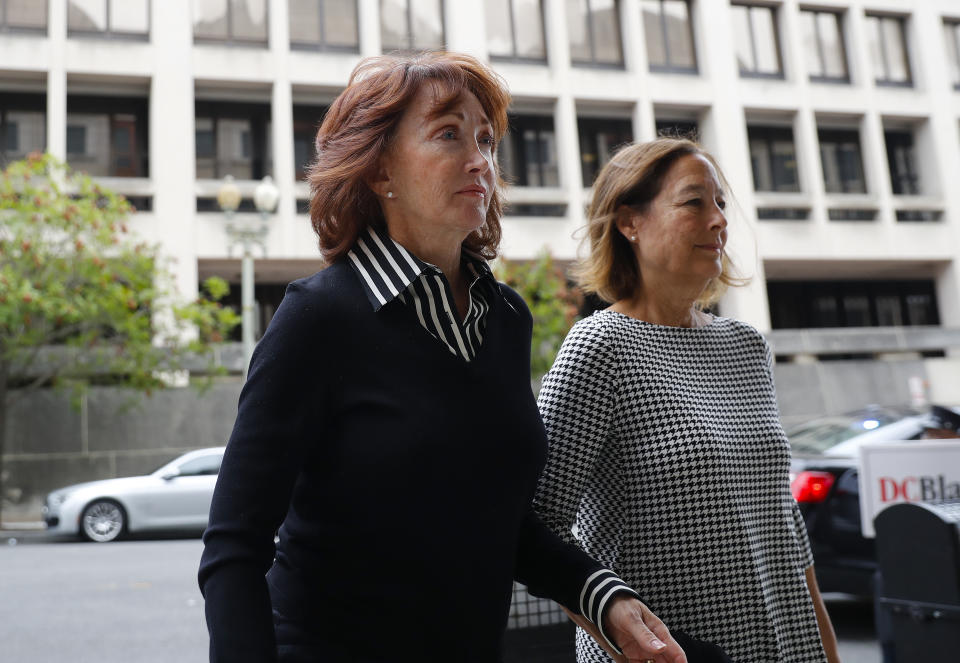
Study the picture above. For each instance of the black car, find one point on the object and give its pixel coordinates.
(824, 482)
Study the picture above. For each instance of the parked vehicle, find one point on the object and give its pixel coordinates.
(175, 496)
(824, 480)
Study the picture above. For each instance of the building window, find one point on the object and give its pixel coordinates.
(841, 161)
(816, 304)
(306, 121)
(107, 136)
(23, 126)
(233, 139)
(410, 25)
(951, 31)
(593, 27)
(823, 45)
(230, 21)
(669, 36)
(528, 153)
(688, 129)
(515, 30)
(756, 43)
(888, 50)
(600, 138)
(26, 15)
(774, 158)
(109, 18)
(901, 158)
(324, 25)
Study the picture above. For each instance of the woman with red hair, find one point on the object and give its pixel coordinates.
(387, 433)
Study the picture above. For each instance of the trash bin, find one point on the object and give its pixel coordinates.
(918, 552)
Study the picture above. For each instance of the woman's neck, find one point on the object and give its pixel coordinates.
(669, 306)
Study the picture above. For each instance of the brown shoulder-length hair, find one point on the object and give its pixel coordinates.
(357, 130)
(634, 177)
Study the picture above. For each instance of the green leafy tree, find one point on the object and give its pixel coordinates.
(81, 299)
(553, 303)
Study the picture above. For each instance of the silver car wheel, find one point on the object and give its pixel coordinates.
(102, 521)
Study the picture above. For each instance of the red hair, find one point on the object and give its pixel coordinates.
(357, 130)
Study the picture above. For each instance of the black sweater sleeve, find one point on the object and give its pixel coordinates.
(281, 399)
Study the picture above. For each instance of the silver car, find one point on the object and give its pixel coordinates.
(176, 496)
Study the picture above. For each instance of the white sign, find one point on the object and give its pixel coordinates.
(906, 472)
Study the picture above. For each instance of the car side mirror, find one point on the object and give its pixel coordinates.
(170, 476)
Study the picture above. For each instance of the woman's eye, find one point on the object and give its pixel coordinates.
(693, 202)
(722, 204)
(449, 134)
(489, 141)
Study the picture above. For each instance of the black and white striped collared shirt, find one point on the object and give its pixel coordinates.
(388, 271)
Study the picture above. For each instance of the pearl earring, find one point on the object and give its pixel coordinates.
(389, 194)
(633, 238)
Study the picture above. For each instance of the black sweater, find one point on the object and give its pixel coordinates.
(399, 476)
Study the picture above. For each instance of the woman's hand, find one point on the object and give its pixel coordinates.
(635, 629)
(640, 633)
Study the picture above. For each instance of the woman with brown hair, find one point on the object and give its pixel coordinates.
(665, 444)
(386, 432)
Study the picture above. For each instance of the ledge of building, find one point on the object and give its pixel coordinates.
(860, 340)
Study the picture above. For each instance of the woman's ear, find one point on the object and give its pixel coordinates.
(626, 221)
(379, 182)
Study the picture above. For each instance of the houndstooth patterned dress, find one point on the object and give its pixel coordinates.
(667, 452)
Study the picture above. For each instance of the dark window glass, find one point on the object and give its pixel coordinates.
(23, 15)
(902, 162)
(888, 50)
(23, 126)
(679, 129)
(107, 136)
(411, 24)
(669, 35)
(324, 25)
(951, 30)
(840, 157)
(593, 28)
(202, 466)
(812, 304)
(266, 296)
(599, 140)
(773, 158)
(125, 18)
(239, 21)
(232, 139)
(515, 30)
(528, 153)
(755, 40)
(306, 121)
(823, 45)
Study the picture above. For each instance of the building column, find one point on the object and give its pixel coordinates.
(57, 80)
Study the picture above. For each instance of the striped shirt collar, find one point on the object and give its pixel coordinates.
(386, 268)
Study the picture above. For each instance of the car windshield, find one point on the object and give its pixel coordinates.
(817, 436)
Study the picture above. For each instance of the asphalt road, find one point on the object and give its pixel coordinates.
(69, 602)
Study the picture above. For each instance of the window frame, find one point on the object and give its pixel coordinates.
(539, 122)
(863, 172)
(592, 125)
(838, 16)
(300, 114)
(884, 51)
(232, 41)
(954, 46)
(111, 106)
(592, 62)
(774, 13)
(522, 59)
(410, 46)
(671, 68)
(322, 46)
(108, 33)
(5, 27)
(768, 134)
(912, 175)
(29, 102)
(255, 112)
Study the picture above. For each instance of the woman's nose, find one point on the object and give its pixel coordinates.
(478, 161)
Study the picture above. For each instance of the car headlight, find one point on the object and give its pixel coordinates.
(56, 499)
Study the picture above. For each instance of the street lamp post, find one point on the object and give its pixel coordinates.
(247, 233)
